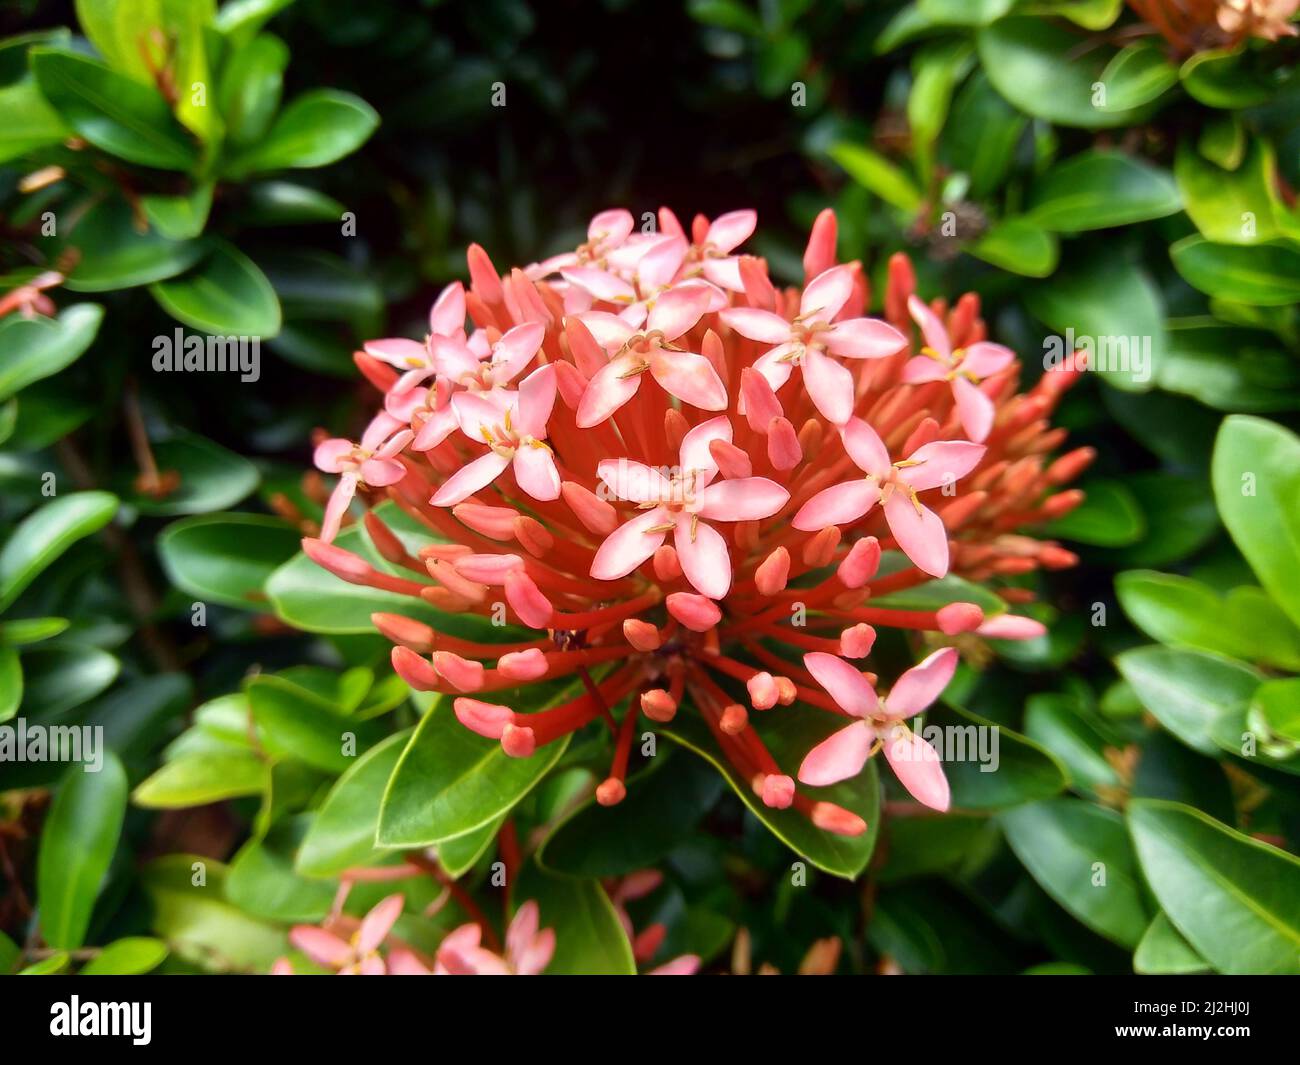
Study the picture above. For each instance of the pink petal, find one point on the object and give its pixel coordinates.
(601, 284)
(742, 499)
(329, 454)
(732, 229)
(523, 928)
(920, 686)
(381, 427)
(830, 385)
(536, 402)
(838, 757)
(469, 479)
(864, 338)
(633, 481)
(685, 965)
(398, 351)
(691, 378)
(537, 955)
(849, 688)
(324, 948)
(826, 294)
(447, 315)
(515, 350)
(609, 389)
(452, 359)
(983, 359)
(918, 768)
(695, 454)
(436, 428)
(702, 551)
(841, 504)
(629, 546)
(480, 413)
(338, 504)
(922, 368)
(774, 368)
(1012, 627)
(677, 311)
(608, 330)
(382, 472)
(536, 473)
(402, 962)
(376, 925)
(611, 227)
(940, 462)
(725, 273)
(919, 532)
(975, 408)
(865, 448)
(932, 330)
(658, 266)
(763, 326)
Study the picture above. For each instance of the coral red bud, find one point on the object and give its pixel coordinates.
(861, 563)
(588, 356)
(777, 791)
(820, 549)
(831, 818)
(483, 275)
(734, 720)
(410, 633)
(496, 523)
(675, 427)
(783, 444)
(1054, 557)
(959, 617)
(1062, 503)
(761, 404)
(772, 574)
(611, 792)
(857, 640)
(518, 741)
(786, 692)
(416, 671)
(641, 634)
(819, 255)
(487, 569)
(925, 433)
(694, 611)
(533, 536)
(523, 665)
(460, 672)
(487, 719)
(595, 513)
(446, 574)
(731, 460)
(379, 374)
(759, 290)
(388, 545)
(666, 565)
(658, 705)
(763, 693)
(527, 600)
(1012, 627)
(343, 564)
(746, 535)
(570, 383)
(811, 438)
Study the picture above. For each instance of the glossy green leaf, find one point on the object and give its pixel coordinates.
(1138, 74)
(1100, 189)
(314, 129)
(179, 217)
(1229, 368)
(275, 203)
(297, 724)
(226, 558)
(1234, 899)
(226, 294)
(1219, 77)
(589, 938)
(1055, 722)
(55, 963)
(1080, 854)
(210, 477)
(878, 175)
(201, 778)
(11, 683)
(40, 347)
(30, 123)
(127, 957)
(111, 253)
(1109, 516)
(1229, 206)
(1163, 951)
(1264, 275)
(46, 533)
(987, 777)
(1019, 245)
(77, 845)
(1277, 703)
(250, 87)
(262, 881)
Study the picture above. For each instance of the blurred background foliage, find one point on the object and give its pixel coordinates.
(1081, 164)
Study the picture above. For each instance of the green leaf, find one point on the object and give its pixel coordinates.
(46, 533)
(61, 677)
(186, 24)
(315, 129)
(40, 347)
(458, 856)
(1080, 854)
(1020, 246)
(1234, 899)
(77, 846)
(878, 175)
(297, 724)
(1277, 703)
(239, 20)
(342, 834)
(1109, 516)
(937, 68)
(1230, 206)
(1090, 14)
(262, 881)
(664, 804)
(1100, 189)
(127, 957)
(1016, 771)
(11, 683)
(211, 477)
(1229, 368)
(589, 938)
(112, 254)
(1138, 74)
(1263, 275)
(277, 203)
(1189, 691)
(226, 558)
(202, 778)
(981, 135)
(1039, 67)
(1225, 78)
(227, 294)
(120, 31)
(789, 736)
(1256, 477)
(55, 963)
(1163, 951)
(180, 217)
(450, 781)
(30, 123)
(1054, 721)
(250, 88)
(111, 111)
(931, 845)
(935, 593)
(963, 12)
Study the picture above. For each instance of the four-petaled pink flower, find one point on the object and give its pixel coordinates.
(963, 368)
(513, 425)
(528, 949)
(357, 956)
(844, 753)
(446, 319)
(919, 531)
(811, 341)
(712, 256)
(370, 462)
(683, 374)
(678, 505)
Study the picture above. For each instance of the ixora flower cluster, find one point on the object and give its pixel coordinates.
(673, 470)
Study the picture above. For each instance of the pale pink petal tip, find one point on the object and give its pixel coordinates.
(696, 612)
(487, 719)
(778, 791)
(1012, 627)
(959, 617)
(831, 818)
(523, 665)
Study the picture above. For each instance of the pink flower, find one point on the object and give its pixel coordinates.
(358, 955)
(880, 724)
(683, 374)
(370, 462)
(811, 340)
(513, 425)
(963, 368)
(446, 319)
(528, 949)
(712, 255)
(918, 530)
(678, 504)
